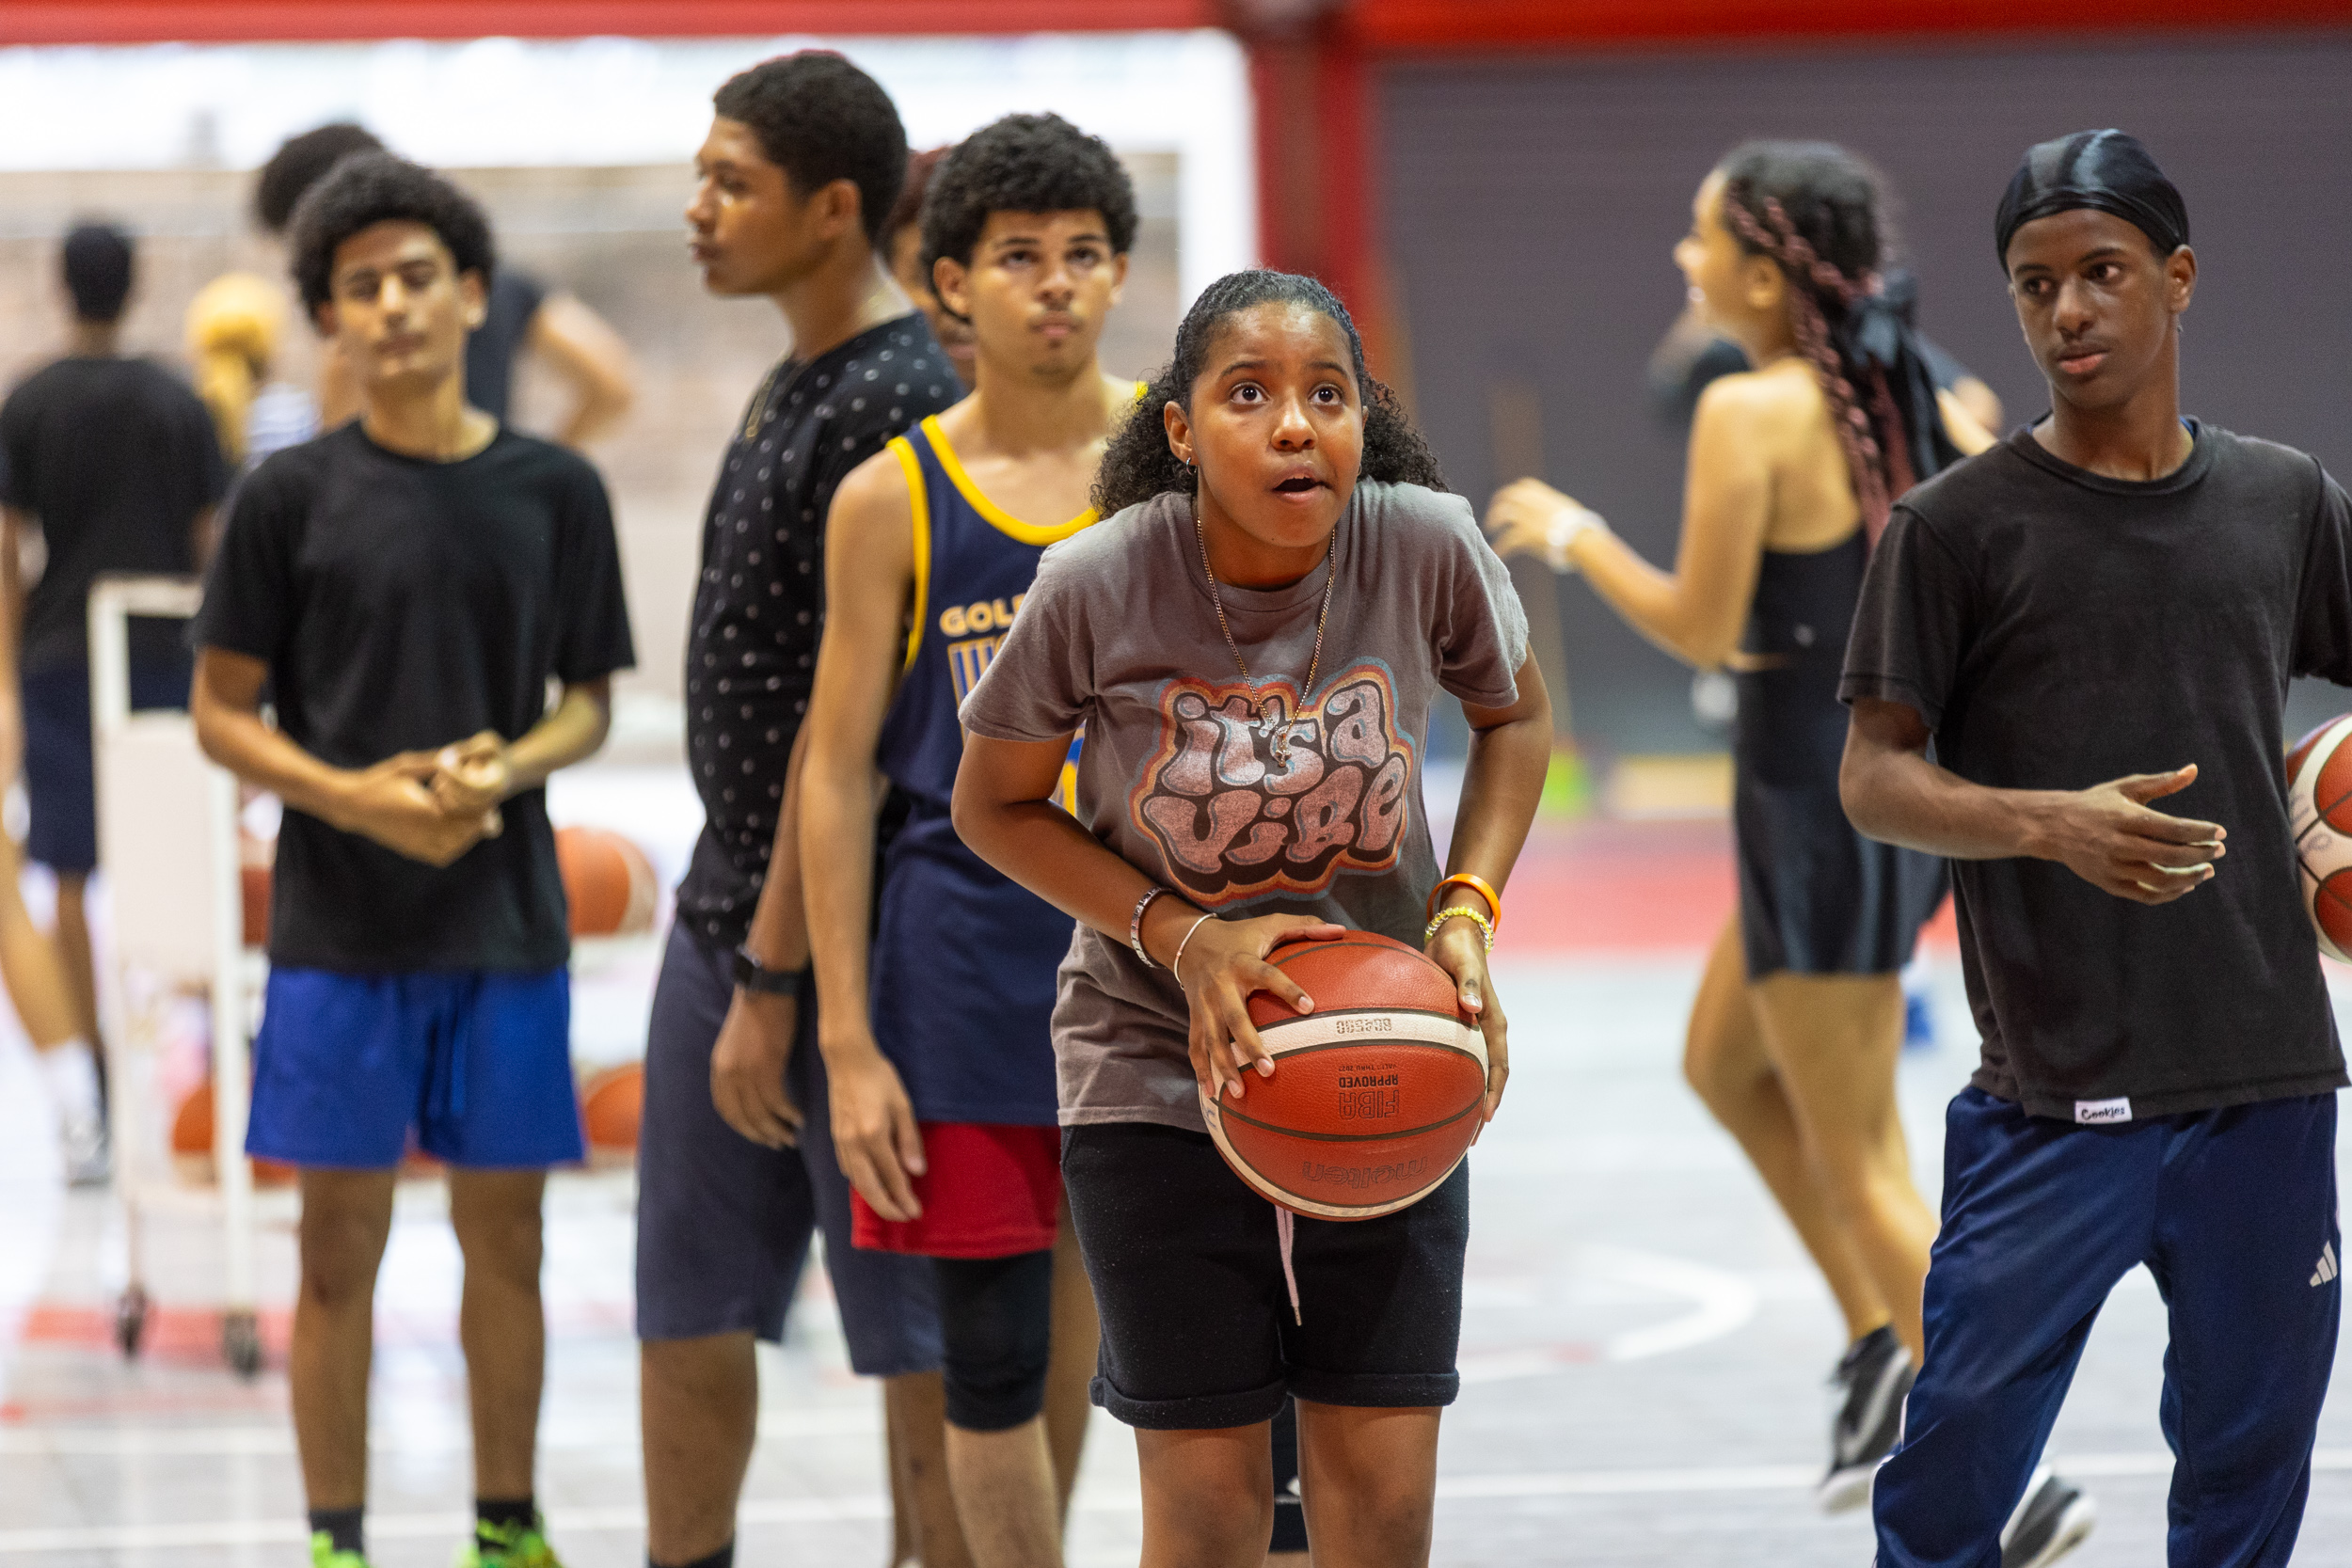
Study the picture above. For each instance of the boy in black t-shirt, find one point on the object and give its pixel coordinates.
(406, 586)
(2101, 613)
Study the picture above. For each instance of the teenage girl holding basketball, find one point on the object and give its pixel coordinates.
(1253, 644)
(1798, 1019)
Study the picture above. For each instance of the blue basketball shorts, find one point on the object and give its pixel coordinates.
(2232, 1211)
(476, 1064)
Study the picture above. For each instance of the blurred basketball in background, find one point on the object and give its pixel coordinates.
(612, 1103)
(2319, 809)
(608, 882)
(192, 1144)
(255, 878)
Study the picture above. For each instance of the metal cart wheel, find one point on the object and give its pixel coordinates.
(131, 1322)
(241, 1342)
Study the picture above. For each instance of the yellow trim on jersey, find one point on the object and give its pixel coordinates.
(1003, 521)
(919, 505)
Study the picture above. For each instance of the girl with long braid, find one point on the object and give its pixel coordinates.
(1799, 1019)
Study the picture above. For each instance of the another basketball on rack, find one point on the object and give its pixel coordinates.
(192, 1144)
(612, 1103)
(608, 882)
(2319, 809)
(1376, 1095)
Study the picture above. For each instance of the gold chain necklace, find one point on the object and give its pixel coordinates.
(1278, 735)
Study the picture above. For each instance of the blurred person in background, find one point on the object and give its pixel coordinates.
(233, 327)
(410, 586)
(113, 463)
(736, 1164)
(1692, 356)
(522, 314)
(903, 248)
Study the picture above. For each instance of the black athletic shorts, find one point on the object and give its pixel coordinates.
(1188, 1273)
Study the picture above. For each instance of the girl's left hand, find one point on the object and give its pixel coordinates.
(1460, 949)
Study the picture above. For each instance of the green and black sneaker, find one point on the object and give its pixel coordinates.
(508, 1547)
(324, 1555)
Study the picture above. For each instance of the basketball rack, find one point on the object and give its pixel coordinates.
(167, 844)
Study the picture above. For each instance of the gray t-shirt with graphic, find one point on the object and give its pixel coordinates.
(1176, 775)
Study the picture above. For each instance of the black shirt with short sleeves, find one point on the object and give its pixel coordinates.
(115, 458)
(2056, 629)
(401, 605)
(759, 605)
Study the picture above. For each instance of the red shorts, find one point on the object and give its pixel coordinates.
(987, 1191)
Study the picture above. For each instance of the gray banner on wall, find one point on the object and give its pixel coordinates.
(1530, 207)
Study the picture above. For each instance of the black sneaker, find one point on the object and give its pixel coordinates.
(2051, 1520)
(1872, 1378)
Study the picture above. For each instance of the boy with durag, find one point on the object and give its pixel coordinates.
(2095, 623)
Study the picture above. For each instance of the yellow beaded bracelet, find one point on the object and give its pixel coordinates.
(1465, 913)
(1477, 884)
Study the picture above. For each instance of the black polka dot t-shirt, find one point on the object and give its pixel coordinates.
(759, 604)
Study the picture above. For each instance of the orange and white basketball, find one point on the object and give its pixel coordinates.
(2319, 809)
(1376, 1095)
(608, 882)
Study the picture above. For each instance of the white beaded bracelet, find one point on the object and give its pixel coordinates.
(1135, 925)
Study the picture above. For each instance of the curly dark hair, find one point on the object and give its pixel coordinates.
(1140, 464)
(820, 118)
(376, 187)
(301, 163)
(1025, 163)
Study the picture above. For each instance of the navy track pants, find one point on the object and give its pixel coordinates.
(2232, 1211)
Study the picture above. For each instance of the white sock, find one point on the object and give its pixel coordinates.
(72, 1072)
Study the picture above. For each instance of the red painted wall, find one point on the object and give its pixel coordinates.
(1381, 26)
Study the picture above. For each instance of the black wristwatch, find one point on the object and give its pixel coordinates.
(754, 977)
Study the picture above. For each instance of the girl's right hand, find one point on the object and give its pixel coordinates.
(1223, 964)
(1530, 517)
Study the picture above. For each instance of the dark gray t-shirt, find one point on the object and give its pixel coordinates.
(1118, 635)
(2056, 629)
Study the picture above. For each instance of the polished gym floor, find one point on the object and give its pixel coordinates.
(1643, 1351)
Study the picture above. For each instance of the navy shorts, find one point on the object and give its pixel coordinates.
(723, 1224)
(1197, 1325)
(59, 777)
(2232, 1211)
(476, 1064)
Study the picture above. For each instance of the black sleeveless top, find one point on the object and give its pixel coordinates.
(1816, 898)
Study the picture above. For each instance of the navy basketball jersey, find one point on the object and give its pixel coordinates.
(964, 960)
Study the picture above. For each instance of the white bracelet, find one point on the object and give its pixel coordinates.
(1176, 965)
(1569, 524)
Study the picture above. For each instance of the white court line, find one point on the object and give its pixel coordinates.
(1719, 1301)
(872, 1506)
(198, 1442)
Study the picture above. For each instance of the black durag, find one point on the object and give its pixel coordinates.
(1877, 334)
(2104, 170)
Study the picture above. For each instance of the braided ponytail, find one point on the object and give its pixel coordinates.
(1829, 249)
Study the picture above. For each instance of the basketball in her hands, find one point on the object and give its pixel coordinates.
(1376, 1095)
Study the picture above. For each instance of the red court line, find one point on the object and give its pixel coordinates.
(1607, 886)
